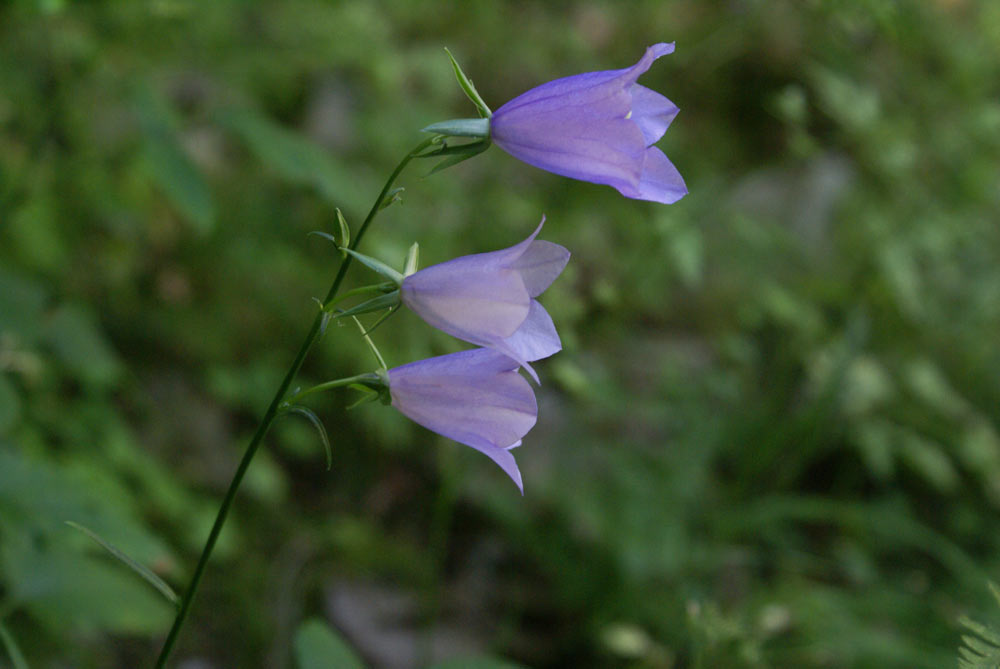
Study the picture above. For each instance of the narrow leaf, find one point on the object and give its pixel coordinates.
(989, 634)
(138, 568)
(318, 424)
(15, 654)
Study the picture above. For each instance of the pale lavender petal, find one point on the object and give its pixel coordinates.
(592, 127)
(476, 361)
(569, 88)
(540, 264)
(652, 112)
(474, 397)
(661, 182)
(507, 257)
(503, 457)
(459, 298)
(536, 338)
(606, 151)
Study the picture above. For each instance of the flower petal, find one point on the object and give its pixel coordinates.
(505, 459)
(652, 112)
(660, 182)
(474, 397)
(536, 338)
(567, 90)
(592, 127)
(600, 151)
(540, 265)
(460, 298)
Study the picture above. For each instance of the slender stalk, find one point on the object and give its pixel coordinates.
(330, 385)
(272, 412)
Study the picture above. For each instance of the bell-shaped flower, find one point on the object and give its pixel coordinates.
(598, 127)
(475, 397)
(488, 299)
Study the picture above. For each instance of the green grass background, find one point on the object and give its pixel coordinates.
(771, 439)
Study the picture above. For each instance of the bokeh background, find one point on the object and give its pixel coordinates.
(771, 439)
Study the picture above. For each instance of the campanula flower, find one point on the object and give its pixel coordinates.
(475, 397)
(488, 299)
(597, 127)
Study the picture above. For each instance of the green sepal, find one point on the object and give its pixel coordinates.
(345, 229)
(386, 301)
(461, 127)
(412, 260)
(140, 569)
(444, 149)
(470, 90)
(459, 154)
(327, 236)
(318, 424)
(383, 377)
(377, 266)
(369, 395)
(391, 197)
(381, 319)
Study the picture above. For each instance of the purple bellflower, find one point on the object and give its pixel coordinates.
(475, 397)
(597, 127)
(488, 299)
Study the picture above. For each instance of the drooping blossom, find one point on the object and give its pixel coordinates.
(597, 127)
(488, 299)
(475, 397)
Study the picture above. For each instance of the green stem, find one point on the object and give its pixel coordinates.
(271, 414)
(330, 385)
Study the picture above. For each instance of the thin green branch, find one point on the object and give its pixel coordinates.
(272, 411)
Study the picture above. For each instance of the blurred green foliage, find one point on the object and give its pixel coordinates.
(771, 439)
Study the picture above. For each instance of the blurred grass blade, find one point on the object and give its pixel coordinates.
(16, 657)
(297, 159)
(318, 647)
(318, 424)
(138, 568)
(175, 173)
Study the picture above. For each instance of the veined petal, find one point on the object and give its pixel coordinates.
(652, 112)
(474, 397)
(504, 458)
(476, 362)
(649, 57)
(459, 297)
(576, 89)
(605, 152)
(660, 182)
(536, 338)
(594, 127)
(540, 264)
